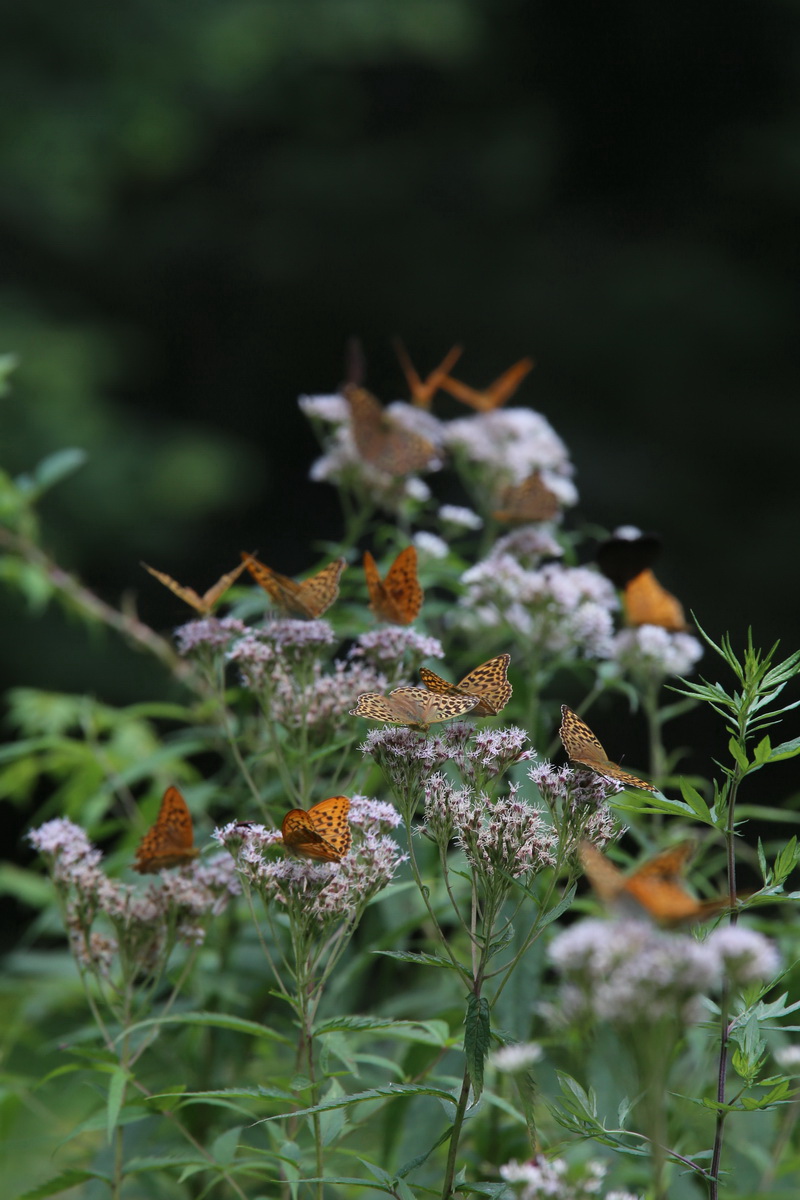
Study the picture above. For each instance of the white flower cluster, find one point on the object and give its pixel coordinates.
(510, 444)
(650, 652)
(553, 1179)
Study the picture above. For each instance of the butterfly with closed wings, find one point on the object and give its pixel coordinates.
(489, 682)
(170, 842)
(322, 831)
(398, 597)
(203, 604)
(309, 598)
(584, 748)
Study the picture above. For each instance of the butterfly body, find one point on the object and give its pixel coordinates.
(398, 597)
(530, 500)
(583, 747)
(489, 682)
(322, 831)
(170, 842)
(202, 604)
(382, 442)
(656, 886)
(414, 707)
(309, 598)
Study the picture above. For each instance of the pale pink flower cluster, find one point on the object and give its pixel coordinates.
(563, 611)
(516, 1056)
(318, 699)
(651, 653)
(143, 924)
(316, 893)
(629, 972)
(553, 1179)
(509, 444)
(459, 517)
(406, 759)
(396, 644)
(483, 754)
(209, 633)
(503, 837)
(577, 803)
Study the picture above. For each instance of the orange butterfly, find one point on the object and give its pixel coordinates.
(411, 706)
(170, 842)
(656, 886)
(530, 500)
(398, 597)
(495, 394)
(648, 603)
(583, 747)
(382, 442)
(489, 682)
(203, 604)
(423, 391)
(310, 598)
(321, 832)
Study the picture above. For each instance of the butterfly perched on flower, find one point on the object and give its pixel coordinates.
(398, 597)
(583, 747)
(414, 707)
(203, 604)
(626, 559)
(656, 886)
(170, 842)
(423, 390)
(489, 682)
(530, 500)
(382, 442)
(310, 598)
(322, 831)
(495, 394)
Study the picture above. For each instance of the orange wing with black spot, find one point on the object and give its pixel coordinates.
(170, 842)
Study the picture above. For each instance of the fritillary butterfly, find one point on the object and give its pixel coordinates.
(583, 747)
(382, 442)
(648, 603)
(170, 842)
(495, 394)
(203, 604)
(321, 832)
(423, 390)
(530, 500)
(310, 598)
(656, 886)
(412, 706)
(489, 682)
(398, 597)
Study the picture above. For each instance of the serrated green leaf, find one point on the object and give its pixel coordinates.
(430, 1033)
(785, 750)
(421, 959)
(60, 1183)
(216, 1021)
(477, 1036)
(389, 1090)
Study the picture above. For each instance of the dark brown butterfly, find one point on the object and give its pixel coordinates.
(495, 394)
(398, 597)
(203, 604)
(583, 747)
(310, 598)
(322, 831)
(382, 442)
(423, 390)
(656, 886)
(170, 842)
(530, 500)
(489, 682)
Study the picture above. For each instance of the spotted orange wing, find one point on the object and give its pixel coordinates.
(398, 597)
(583, 747)
(310, 598)
(203, 604)
(495, 394)
(489, 682)
(382, 442)
(170, 842)
(648, 603)
(423, 391)
(530, 500)
(656, 886)
(323, 831)
(414, 707)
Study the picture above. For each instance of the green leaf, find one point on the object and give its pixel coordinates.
(390, 1090)
(648, 802)
(60, 1183)
(738, 754)
(57, 466)
(223, 1148)
(477, 1034)
(430, 1033)
(785, 750)
(421, 959)
(216, 1021)
(696, 802)
(116, 1096)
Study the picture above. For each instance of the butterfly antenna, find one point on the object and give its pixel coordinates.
(355, 362)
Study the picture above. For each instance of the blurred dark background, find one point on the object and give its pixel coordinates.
(200, 202)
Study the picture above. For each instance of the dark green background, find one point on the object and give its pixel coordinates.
(201, 201)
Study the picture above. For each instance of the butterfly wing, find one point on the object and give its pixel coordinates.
(323, 832)
(170, 842)
(412, 706)
(489, 681)
(402, 586)
(656, 886)
(380, 441)
(530, 500)
(187, 594)
(648, 603)
(218, 590)
(583, 747)
(496, 394)
(318, 592)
